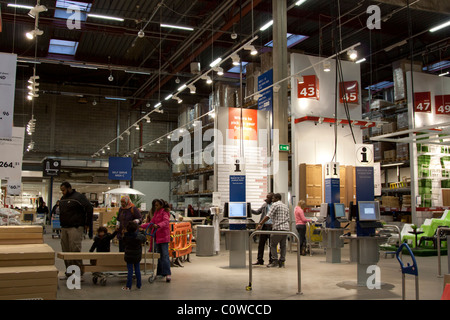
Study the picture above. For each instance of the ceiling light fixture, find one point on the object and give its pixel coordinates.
(181, 88)
(219, 71)
(99, 16)
(266, 26)
(360, 60)
(236, 59)
(352, 54)
(168, 97)
(441, 26)
(36, 10)
(157, 105)
(215, 62)
(34, 33)
(252, 49)
(192, 88)
(327, 66)
(443, 74)
(19, 6)
(299, 2)
(163, 25)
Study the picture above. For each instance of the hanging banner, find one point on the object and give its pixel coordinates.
(249, 122)
(11, 154)
(349, 92)
(8, 64)
(120, 168)
(422, 102)
(265, 102)
(309, 88)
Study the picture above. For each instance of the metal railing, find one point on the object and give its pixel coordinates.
(438, 235)
(287, 233)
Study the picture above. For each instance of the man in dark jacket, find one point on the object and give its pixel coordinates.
(75, 217)
(263, 238)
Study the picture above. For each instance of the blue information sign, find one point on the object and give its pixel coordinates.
(120, 168)
(237, 188)
(265, 103)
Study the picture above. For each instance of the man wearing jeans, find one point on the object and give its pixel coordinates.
(279, 214)
(75, 217)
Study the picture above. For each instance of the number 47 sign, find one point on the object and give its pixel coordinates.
(422, 102)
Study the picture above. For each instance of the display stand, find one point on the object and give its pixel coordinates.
(236, 241)
(333, 243)
(367, 254)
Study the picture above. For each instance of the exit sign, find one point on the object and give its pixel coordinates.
(284, 147)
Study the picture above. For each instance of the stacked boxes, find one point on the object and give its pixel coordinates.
(402, 121)
(380, 147)
(402, 150)
(389, 201)
(27, 270)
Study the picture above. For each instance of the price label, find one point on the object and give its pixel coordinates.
(442, 104)
(422, 102)
(14, 188)
(8, 63)
(309, 88)
(349, 92)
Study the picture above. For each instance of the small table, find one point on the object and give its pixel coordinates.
(415, 232)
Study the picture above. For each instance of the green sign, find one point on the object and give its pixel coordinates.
(284, 147)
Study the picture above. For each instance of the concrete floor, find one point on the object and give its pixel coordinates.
(210, 278)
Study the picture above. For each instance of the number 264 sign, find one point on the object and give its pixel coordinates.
(442, 104)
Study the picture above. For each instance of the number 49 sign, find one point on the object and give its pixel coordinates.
(442, 104)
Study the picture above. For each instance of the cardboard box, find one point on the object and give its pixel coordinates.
(389, 155)
(26, 255)
(10, 235)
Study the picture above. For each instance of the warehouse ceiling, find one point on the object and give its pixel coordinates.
(164, 55)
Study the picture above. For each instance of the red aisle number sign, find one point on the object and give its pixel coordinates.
(350, 94)
(422, 102)
(309, 88)
(442, 104)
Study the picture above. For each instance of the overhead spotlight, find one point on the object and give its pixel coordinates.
(34, 33)
(141, 33)
(178, 99)
(219, 71)
(137, 126)
(36, 10)
(207, 79)
(110, 78)
(192, 88)
(327, 66)
(127, 132)
(120, 137)
(235, 59)
(252, 49)
(234, 36)
(352, 54)
(108, 147)
(300, 79)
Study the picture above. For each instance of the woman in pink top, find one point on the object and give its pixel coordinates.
(161, 222)
(300, 224)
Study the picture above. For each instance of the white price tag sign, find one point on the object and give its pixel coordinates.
(11, 154)
(8, 64)
(14, 188)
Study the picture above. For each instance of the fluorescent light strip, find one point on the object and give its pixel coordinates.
(99, 16)
(83, 67)
(360, 60)
(115, 98)
(441, 26)
(299, 2)
(443, 74)
(137, 72)
(215, 62)
(163, 25)
(266, 26)
(19, 6)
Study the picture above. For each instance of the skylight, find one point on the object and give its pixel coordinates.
(237, 69)
(380, 86)
(63, 47)
(292, 40)
(62, 5)
(441, 65)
